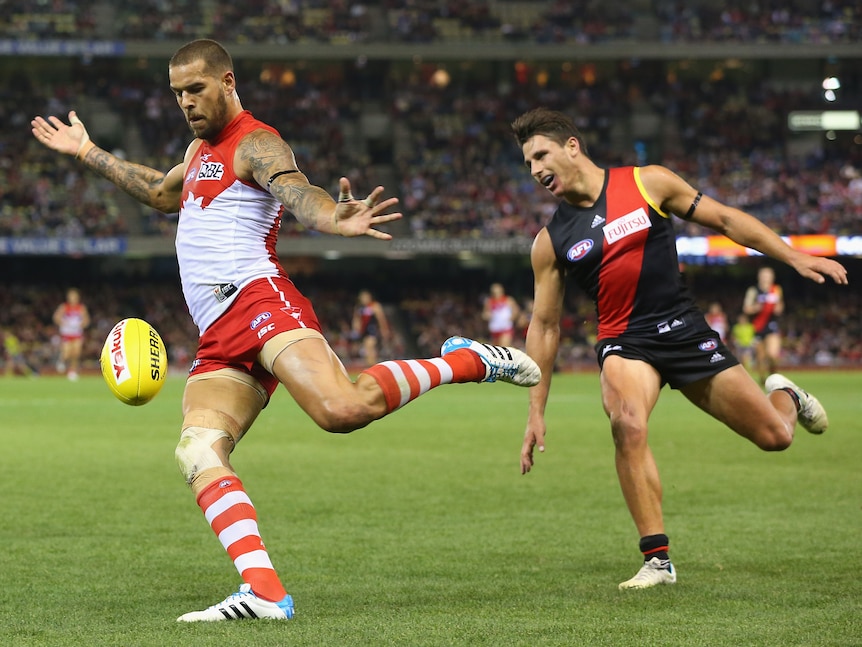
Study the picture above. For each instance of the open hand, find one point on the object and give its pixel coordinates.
(354, 217)
(54, 134)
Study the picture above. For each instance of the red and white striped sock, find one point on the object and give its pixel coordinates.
(232, 517)
(404, 380)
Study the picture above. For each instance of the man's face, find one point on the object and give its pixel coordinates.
(550, 163)
(765, 278)
(201, 97)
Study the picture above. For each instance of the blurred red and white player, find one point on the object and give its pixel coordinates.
(500, 311)
(72, 318)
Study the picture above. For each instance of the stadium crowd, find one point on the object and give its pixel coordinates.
(421, 21)
(458, 172)
(819, 328)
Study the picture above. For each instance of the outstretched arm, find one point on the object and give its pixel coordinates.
(146, 185)
(262, 155)
(676, 196)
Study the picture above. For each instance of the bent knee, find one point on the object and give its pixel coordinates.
(774, 439)
(340, 417)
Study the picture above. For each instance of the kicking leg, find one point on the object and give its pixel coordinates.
(318, 382)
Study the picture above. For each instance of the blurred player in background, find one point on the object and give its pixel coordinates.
(612, 233)
(257, 330)
(764, 303)
(370, 326)
(717, 320)
(742, 339)
(14, 357)
(71, 318)
(501, 312)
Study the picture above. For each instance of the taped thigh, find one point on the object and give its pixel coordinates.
(275, 346)
(236, 376)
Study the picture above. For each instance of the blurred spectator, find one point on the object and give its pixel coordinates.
(422, 21)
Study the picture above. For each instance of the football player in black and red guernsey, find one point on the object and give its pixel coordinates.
(764, 303)
(613, 234)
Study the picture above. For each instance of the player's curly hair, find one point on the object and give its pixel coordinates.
(216, 57)
(553, 124)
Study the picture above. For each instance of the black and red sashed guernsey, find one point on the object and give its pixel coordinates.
(622, 253)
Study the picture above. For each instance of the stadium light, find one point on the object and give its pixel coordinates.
(831, 83)
(801, 120)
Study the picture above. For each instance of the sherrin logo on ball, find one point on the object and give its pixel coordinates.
(134, 361)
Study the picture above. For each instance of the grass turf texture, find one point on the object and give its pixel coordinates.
(419, 530)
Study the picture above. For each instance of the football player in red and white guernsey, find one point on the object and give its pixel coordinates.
(256, 329)
(613, 235)
(500, 311)
(71, 318)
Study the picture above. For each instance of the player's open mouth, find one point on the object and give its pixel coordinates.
(547, 180)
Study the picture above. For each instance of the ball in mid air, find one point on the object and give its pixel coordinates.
(134, 361)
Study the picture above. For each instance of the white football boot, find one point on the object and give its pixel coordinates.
(652, 573)
(243, 605)
(502, 363)
(812, 415)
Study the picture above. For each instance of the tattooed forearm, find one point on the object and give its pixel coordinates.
(140, 182)
(311, 205)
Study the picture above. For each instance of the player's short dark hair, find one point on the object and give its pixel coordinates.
(216, 57)
(554, 125)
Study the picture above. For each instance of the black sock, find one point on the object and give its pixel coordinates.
(655, 546)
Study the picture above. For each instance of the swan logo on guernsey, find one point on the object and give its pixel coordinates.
(626, 225)
(579, 250)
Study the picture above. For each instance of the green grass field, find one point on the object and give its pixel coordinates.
(420, 530)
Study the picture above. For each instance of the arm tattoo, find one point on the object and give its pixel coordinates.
(308, 203)
(140, 182)
(267, 154)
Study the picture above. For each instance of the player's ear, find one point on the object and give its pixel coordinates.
(229, 82)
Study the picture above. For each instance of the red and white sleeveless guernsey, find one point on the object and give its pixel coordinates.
(228, 227)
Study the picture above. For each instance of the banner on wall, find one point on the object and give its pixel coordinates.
(719, 247)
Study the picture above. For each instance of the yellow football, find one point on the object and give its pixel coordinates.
(134, 361)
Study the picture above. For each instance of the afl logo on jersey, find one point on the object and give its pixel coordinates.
(579, 250)
(709, 344)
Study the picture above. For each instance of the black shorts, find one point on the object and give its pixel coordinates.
(683, 350)
(770, 328)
